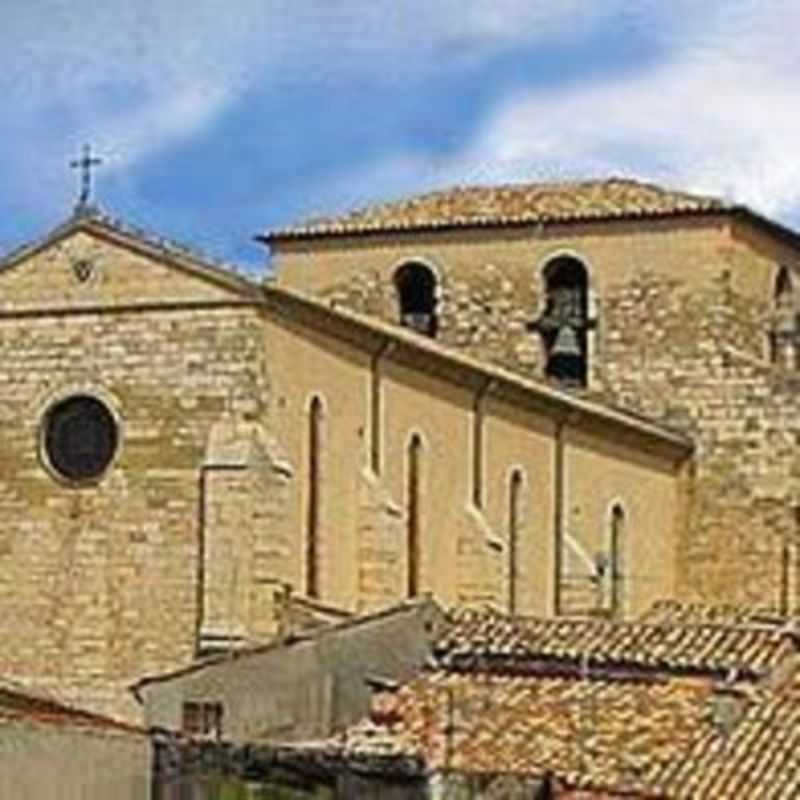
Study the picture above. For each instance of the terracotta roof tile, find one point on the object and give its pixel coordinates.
(587, 733)
(759, 757)
(654, 738)
(513, 204)
(487, 641)
(662, 733)
(676, 612)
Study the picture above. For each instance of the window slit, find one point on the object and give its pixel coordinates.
(413, 516)
(514, 497)
(313, 510)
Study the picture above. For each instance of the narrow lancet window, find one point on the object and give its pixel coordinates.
(413, 515)
(416, 293)
(313, 507)
(617, 562)
(514, 517)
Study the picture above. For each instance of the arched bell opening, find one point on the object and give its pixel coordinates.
(416, 293)
(564, 326)
(782, 333)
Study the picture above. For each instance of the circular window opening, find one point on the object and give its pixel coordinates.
(80, 438)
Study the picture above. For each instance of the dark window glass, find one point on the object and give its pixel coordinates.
(80, 437)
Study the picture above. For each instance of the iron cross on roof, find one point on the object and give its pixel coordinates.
(85, 163)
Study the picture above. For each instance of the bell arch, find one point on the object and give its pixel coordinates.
(782, 334)
(417, 285)
(565, 322)
(782, 290)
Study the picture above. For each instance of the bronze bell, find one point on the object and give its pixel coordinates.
(566, 344)
(418, 321)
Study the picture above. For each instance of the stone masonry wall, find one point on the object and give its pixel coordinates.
(683, 310)
(98, 583)
(484, 313)
(696, 360)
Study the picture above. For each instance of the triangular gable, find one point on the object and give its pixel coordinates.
(91, 260)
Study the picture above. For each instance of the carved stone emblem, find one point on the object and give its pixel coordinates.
(83, 269)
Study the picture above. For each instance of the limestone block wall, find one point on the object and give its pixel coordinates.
(203, 516)
(105, 575)
(490, 282)
(245, 485)
(697, 357)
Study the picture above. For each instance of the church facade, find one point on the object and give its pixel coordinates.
(571, 399)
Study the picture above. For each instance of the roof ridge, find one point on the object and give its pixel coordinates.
(277, 641)
(167, 243)
(511, 202)
(170, 248)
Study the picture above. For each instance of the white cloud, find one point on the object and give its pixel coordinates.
(137, 76)
(720, 115)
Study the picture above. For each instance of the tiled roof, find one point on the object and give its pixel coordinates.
(499, 697)
(513, 204)
(492, 642)
(17, 705)
(758, 758)
(648, 738)
(587, 733)
(676, 612)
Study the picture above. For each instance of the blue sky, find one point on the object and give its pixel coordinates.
(218, 120)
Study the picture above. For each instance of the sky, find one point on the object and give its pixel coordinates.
(219, 120)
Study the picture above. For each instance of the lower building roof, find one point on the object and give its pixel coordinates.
(593, 733)
(486, 641)
(17, 705)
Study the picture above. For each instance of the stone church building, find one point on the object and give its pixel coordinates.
(571, 398)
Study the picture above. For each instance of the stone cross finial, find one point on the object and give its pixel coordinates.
(85, 164)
